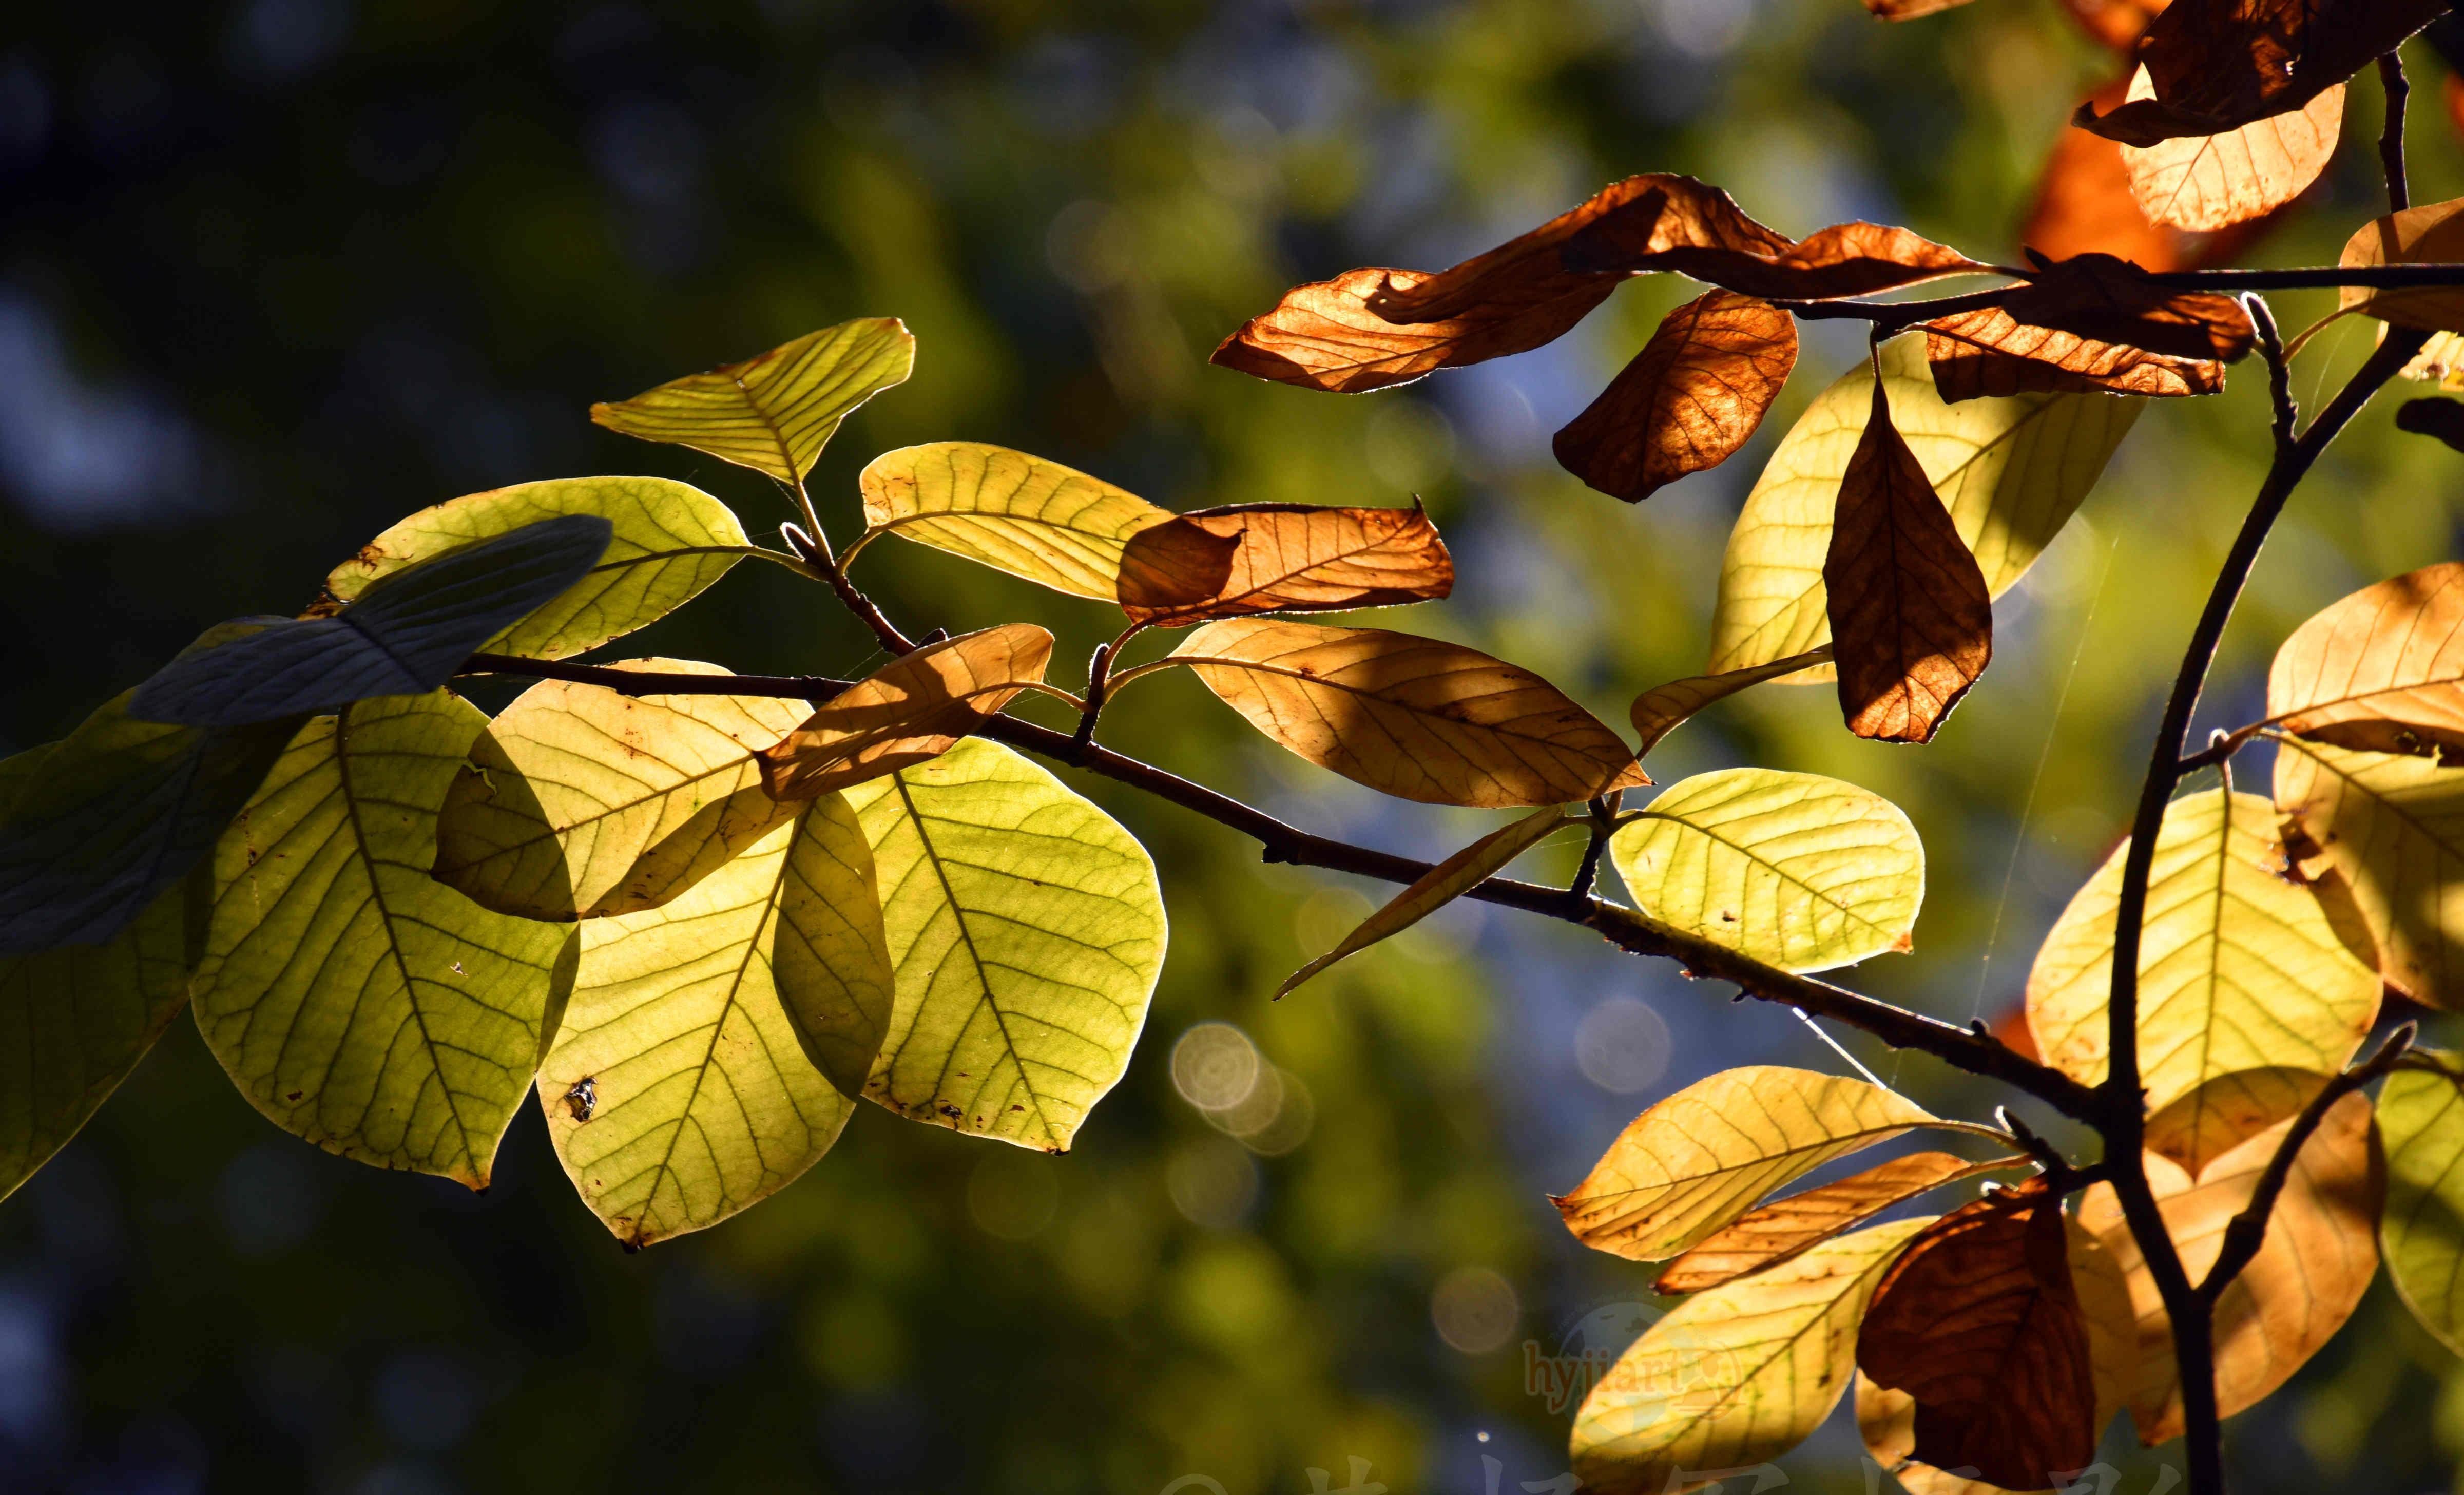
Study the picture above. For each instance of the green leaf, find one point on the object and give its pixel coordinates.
(407, 635)
(1033, 518)
(118, 812)
(1796, 871)
(773, 413)
(2012, 472)
(1693, 1163)
(1736, 1376)
(2421, 1121)
(679, 1091)
(73, 1022)
(2241, 972)
(671, 540)
(580, 802)
(2391, 827)
(1026, 930)
(357, 1001)
(1435, 888)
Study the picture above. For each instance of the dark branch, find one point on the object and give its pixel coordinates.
(1890, 317)
(2391, 135)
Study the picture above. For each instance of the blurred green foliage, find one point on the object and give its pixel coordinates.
(274, 274)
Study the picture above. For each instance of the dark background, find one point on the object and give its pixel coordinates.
(272, 274)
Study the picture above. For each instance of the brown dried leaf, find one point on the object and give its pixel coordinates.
(1665, 708)
(1911, 621)
(1990, 352)
(1282, 558)
(2382, 669)
(2084, 203)
(2207, 182)
(1979, 1322)
(2317, 1259)
(2216, 65)
(1411, 716)
(1687, 401)
(2097, 297)
(2433, 233)
(1782, 1228)
(1844, 259)
(911, 710)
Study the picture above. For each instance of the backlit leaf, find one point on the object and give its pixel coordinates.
(2084, 200)
(1027, 931)
(1911, 621)
(2421, 1122)
(1978, 1322)
(1990, 352)
(2431, 234)
(2217, 1116)
(2011, 471)
(907, 712)
(772, 414)
(2206, 182)
(1411, 716)
(2313, 1265)
(2241, 971)
(1665, 708)
(2382, 668)
(669, 541)
(1281, 558)
(406, 634)
(1033, 518)
(1909, 9)
(1764, 1237)
(1696, 1161)
(1734, 1376)
(1796, 871)
(74, 1021)
(1844, 259)
(580, 802)
(678, 1093)
(1687, 401)
(2389, 827)
(2109, 299)
(1435, 888)
(356, 1000)
(2216, 65)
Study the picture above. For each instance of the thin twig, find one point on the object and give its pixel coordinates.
(2391, 135)
(1604, 825)
(2287, 415)
(815, 549)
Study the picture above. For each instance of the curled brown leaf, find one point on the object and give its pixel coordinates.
(913, 709)
(2208, 182)
(2106, 299)
(1688, 401)
(2216, 65)
(1990, 352)
(1282, 558)
(2085, 202)
(1911, 619)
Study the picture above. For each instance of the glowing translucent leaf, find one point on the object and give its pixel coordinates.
(2391, 827)
(907, 712)
(773, 413)
(2421, 1121)
(1033, 518)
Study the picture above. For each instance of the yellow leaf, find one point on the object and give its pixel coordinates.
(907, 712)
(1697, 1161)
(1435, 888)
(1027, 931)
(2388, 827)
(671, 540)
(356, 1000)
(2207, 182)
(773, 413)
(2217, 1116)
(1411, 716)
(1796, 871)
(75, 1020)
(2011, 470)
(2421, 1121)
(2315, 1260)
(1784, 1227)
(2430, 234)
(2240, 970)
(1735, 1375)
(679, 1091)
(578, 803)
(1665, 708)
(2382, 669)
(1033, 518)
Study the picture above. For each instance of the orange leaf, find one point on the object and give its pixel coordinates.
(2111, 300)
(1990, 352)
(2084, 201)
(913, 709)
(2382, 669)
(1282, 558)
(1784, 1227)
(1909, 9)
(1911, 621)
(1844, 259)
(2119, 24)
(2217, 181)
(1689, 399)
(2217, 65)
(1411, 716)
(1979, 1322)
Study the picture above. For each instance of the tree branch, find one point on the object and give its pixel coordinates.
(2391, 135)
(1892, 316)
